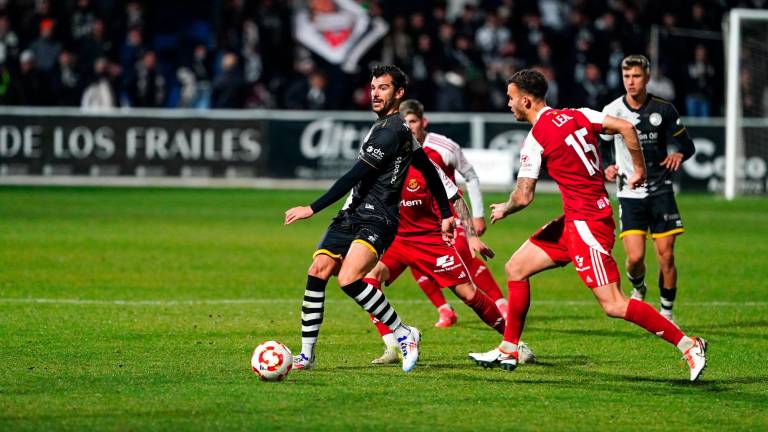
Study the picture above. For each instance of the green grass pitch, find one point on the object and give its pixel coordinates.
(138, 309)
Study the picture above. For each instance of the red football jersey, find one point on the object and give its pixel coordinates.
(566, 142)
(419, 213)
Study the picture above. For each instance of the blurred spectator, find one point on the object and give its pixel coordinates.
(591, 92)
(148, 87)
(701, 74)
(491, 36)
(660, 84)
(66, 83)
(9, 91)
(132, 50)
(99, 96)
(397, 45)
(82, 20)
(45, 50)
(228, 87)
(33, 88)
(94, 44)
(9, 42)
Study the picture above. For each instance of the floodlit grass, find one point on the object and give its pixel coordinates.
(114, 315)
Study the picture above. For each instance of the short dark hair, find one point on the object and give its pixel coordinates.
(530, 81)
(399, 78)
(411, 106)
(638, 60)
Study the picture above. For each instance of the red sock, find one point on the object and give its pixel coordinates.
(487, 311)
(647, 317)
(382, 328)
(483, 279)
(433, 291)
(519, 300)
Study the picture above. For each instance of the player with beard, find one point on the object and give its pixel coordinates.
(366, 226)
(565, 141)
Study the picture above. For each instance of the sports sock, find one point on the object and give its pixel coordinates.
(373, 301)
(667, 295)
(432, 290)
(508, 347)
(636, 281)
(380, 327)
(487, 311)
(519, 300)
(484, 280)
(647, 317)
(390, 340)
(312, 313)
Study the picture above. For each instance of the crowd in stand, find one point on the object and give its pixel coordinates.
(102, 54)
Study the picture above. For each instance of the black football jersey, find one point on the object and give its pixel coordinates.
(656, 122)
(388, 147)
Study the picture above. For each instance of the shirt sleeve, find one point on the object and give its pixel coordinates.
(606, 137)
(679, 133)
(451, 190)
(595, 118)
(379, 148)
(530, 158)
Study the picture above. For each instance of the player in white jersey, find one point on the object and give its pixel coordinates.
(449, 156)
(649, 210)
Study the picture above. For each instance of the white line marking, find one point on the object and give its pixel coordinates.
(297, 301)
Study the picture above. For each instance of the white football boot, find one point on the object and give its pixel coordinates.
(696, 356)
(525, 354)
(391, 355)
(495, 358)
(409, 346)
(302, 362)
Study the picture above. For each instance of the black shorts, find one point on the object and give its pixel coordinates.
(656, 216)
(370, 229)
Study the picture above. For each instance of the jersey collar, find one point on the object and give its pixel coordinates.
(645, 104)
(541, 111)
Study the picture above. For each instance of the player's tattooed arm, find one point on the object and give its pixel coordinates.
(465, 217)
(519, 199)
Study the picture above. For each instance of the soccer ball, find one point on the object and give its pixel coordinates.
(272, 361)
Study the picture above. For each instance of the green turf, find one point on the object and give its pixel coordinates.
(170, 359)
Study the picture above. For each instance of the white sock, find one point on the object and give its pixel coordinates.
(501, 302)
(401, 330)
(389, 340)
(308, 349)
(685, 344)
(445, 306)
(507, 347)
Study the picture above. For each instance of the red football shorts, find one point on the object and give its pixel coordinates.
(430, 256)
(587, 244)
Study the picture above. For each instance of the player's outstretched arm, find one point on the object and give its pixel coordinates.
(422, 163)
(339, 189)
(613, 125)
(519, 199)
(465, 217)
(473, 189)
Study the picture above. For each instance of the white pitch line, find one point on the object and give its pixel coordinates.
(256, 301)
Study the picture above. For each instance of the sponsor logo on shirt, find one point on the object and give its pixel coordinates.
(410, 203)
(376, 153)
(525, 162)
(369, 206)
(445, 261)
(413, 185)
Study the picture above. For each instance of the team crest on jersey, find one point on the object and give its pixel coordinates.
(655, 119)
(413, 185)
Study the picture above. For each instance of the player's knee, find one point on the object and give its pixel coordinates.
(666, 259)
(322, 267)
(634, 258)
(514, 270)
(615, 308)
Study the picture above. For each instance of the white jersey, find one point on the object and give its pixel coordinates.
(454, 160)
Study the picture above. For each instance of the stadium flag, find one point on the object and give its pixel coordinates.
(341, 31)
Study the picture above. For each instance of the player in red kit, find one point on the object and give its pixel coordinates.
(420, 246)
(566, 141)
(447, 154)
